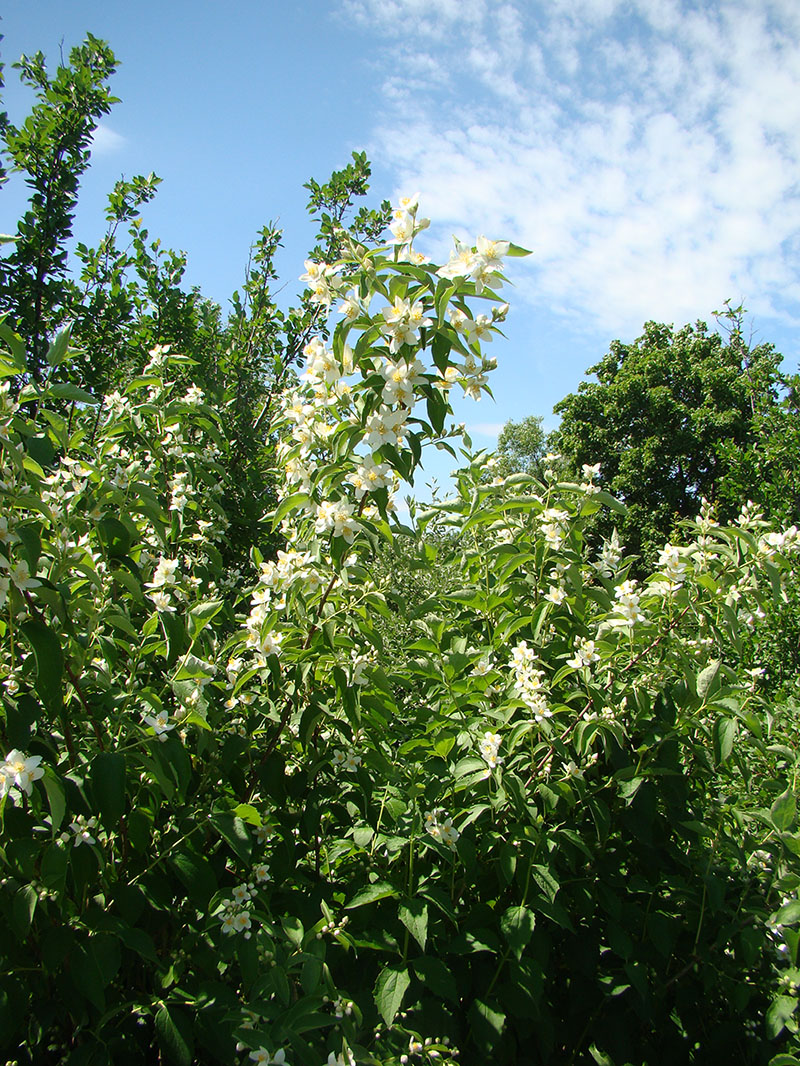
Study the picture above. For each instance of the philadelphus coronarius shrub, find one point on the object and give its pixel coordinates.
(558, 826)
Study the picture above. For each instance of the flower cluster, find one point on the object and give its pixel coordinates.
(440, 826)
(529, 681)
(585, 654)
(489, 747)
(235, 914)
(348, 760)
(483, 265)
(627, 597)
(609, 557)
(82, 828)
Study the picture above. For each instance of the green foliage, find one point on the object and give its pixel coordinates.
(524, 808)
(52, 149)
(666, 420)
(521, 447)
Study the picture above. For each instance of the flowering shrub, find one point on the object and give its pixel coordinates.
(559, 822)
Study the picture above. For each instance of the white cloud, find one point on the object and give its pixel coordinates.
(647, 150)
(106, 141)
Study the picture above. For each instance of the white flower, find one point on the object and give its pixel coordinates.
(164, 573)
(20, 574)
(440, 826)
(261, 1055)
(162, 602)
(340, 1060)
(160, 723)
(351, 761)
(20, 772)
(584, 655)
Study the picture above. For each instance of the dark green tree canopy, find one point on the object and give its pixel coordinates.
(665, 419)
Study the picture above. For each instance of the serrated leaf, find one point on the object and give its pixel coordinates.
(437, 977)
(723, 737)
(108, 786)
(55, 798)
(783, 810)
(201, 615)
(371, 894)
(390, 989)
(414, 916)
(174, 1032)
(65, 390)
(706, 679)
(545, 880)
(59, 352)
(49, 663)
(780, 1011)
(517, 927)
(23, 906)
(789, 913)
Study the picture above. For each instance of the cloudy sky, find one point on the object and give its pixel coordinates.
(648, 151)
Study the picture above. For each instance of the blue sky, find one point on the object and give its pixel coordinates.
(648, 151)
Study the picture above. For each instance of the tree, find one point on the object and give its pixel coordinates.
(521, 447)
(665, 419)
(52, 148)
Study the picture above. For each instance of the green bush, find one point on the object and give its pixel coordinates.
(557, 821)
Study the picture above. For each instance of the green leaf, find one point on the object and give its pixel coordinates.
(517, 926)
(235, 833)
(390, 988)
(67, 391)
(54, 867)
(707, 679)
(108, 786)
(16, 348)
(55, 798)
(59, 351)
(201, 615)
(248, 814)
(783, 810)
(723, 737)
(517, 250)
(413, 913)
(600, 1057)
(789, 913)
(49, 663)
(175, 1038)
(116, 537)
(487, 1025)
(783, 1060)
(780, 1011)
(436, 976)
(545, 880)
(197, 876)
(370, 894)
(297, 501)
(23, 906)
